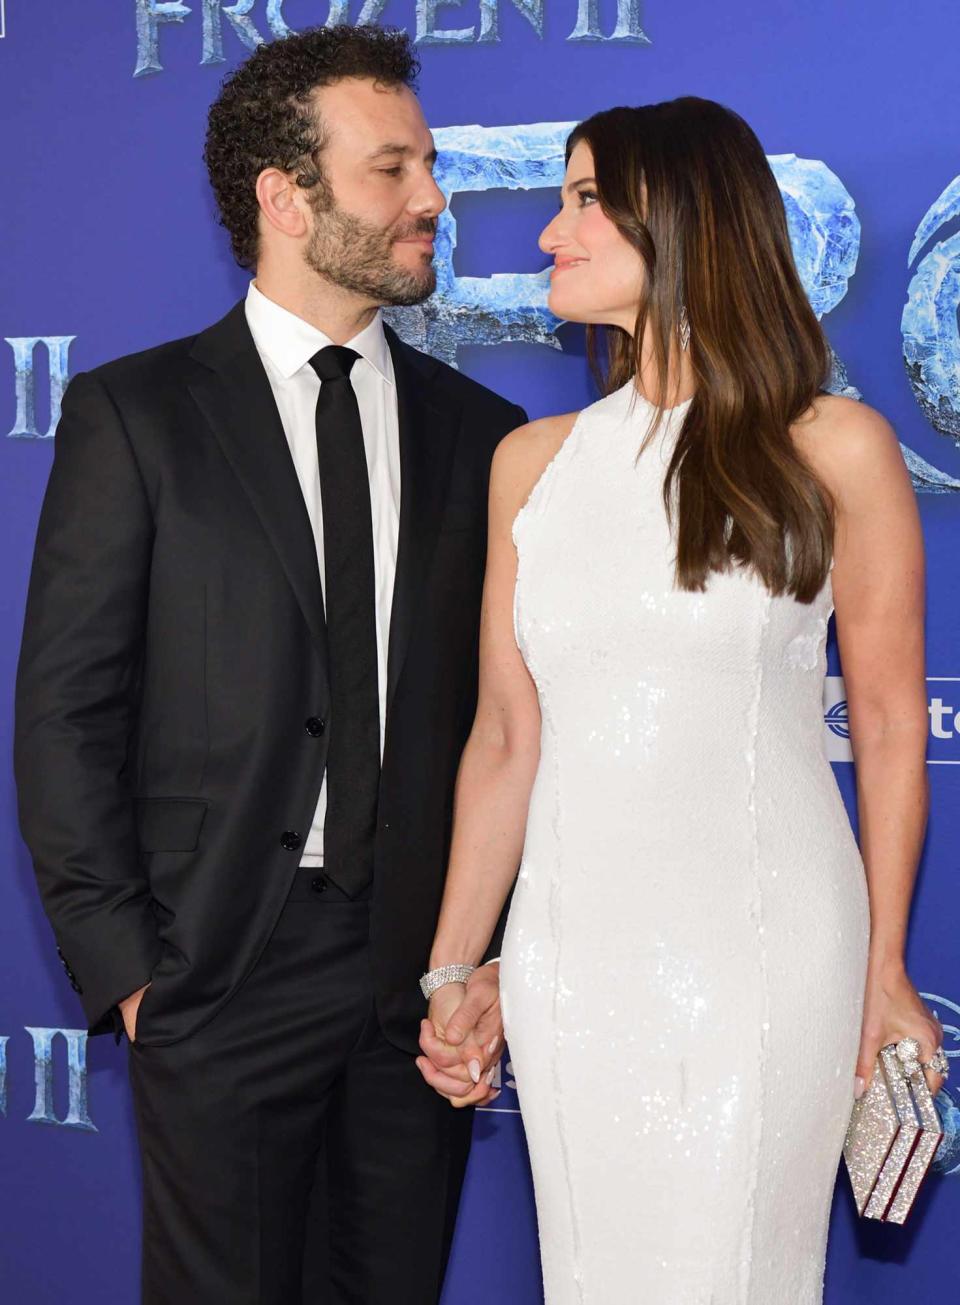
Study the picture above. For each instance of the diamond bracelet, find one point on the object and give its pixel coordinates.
(435, 979)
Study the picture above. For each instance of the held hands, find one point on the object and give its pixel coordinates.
(462, 1039)
(893, 1010)
(128, 1009)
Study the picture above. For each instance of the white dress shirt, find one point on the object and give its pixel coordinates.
(286, 343)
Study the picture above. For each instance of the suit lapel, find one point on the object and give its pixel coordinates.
(234, 395)
(429, 424)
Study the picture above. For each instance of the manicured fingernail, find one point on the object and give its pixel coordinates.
(492, 1047)
(488, 1077)
(474, 1068)
(858, 1088)
(493, 1096)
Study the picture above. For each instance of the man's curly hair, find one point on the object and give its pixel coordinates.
(264, 118)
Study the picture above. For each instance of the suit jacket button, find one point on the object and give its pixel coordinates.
(319, 884)
(290, 840)
(315, 726)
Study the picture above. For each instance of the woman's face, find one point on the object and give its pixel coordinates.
(597, 275)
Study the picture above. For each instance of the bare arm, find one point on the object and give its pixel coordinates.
(878, 584)
(499, 762)
(879, 597)
(497, 770)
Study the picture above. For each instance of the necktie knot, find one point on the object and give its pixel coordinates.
(334, 362)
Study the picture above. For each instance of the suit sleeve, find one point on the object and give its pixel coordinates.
(519, 418)
(76, 702)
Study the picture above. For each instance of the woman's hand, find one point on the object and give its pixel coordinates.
(464, 1078)
(893, 1010)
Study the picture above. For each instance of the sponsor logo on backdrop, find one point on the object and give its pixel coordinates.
(251, 22)
(943, 709)
(49, 354)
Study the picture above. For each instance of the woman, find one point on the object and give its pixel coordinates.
(694, 954)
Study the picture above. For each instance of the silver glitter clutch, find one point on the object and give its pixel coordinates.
(893, 1135)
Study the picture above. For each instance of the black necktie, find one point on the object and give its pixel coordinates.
(353, 757)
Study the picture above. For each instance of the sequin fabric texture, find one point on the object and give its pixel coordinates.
(685, 955)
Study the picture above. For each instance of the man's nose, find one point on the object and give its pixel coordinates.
(430, 199)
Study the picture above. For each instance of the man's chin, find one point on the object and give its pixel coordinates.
(413, 290)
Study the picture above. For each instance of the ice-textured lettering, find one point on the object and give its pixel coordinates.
(627, 29)
(150, 14)
(931, 338)
(24, 347)
(512, 306)
(507, 307)
(77, 1115)
(237, 15)
(532, 11)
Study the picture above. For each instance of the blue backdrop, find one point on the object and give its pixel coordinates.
(110, 244)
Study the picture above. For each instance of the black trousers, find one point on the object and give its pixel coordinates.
(291, 1155)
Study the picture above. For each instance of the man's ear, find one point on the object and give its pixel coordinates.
(282, 202)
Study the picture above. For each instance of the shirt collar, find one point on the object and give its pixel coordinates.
(289, 342)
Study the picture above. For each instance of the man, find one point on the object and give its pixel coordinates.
(248, 670)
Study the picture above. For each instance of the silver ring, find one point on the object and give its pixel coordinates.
(908, 1054)
(938, 1063)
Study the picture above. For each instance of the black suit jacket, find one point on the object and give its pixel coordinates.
(173, 674)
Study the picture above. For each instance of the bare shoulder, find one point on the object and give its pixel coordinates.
(848, 444)
(523, 455)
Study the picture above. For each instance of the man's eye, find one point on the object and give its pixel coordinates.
(391, 172)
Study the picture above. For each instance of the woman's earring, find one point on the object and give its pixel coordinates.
(684, 328)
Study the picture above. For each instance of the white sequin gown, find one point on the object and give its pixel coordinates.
(685, 955)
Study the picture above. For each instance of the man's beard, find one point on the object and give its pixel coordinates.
(358, 256)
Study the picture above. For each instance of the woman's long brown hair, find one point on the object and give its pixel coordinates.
(688, 185)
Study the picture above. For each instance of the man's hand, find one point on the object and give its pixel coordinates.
(463, 1037)
(128, 1009)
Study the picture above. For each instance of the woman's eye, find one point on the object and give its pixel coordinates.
(587, 197)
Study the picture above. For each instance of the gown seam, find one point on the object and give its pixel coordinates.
(746, 1266)
(555, 911)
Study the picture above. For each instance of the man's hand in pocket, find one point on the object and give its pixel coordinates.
(128, 1009)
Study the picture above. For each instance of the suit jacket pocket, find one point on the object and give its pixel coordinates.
(170, 824)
